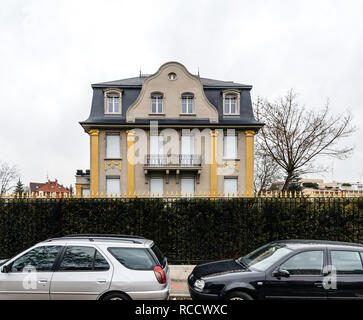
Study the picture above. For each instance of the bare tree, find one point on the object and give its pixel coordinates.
(266, 170)
(8, 177)
(293, 135)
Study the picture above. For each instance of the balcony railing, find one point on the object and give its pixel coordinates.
(173, 160)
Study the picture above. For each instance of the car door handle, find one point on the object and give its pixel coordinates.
(101, 281)
(42, 281)
(318, 284)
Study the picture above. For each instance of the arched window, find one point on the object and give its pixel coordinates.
(187, 103)
(112, 101)
(231, 103)
(157, 102)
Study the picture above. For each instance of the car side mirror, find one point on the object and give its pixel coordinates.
(5, 269)
(281, 273)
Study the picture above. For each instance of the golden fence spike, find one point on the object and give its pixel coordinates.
(162, 194)
(358, 194)
(238, 194)
(205, 194)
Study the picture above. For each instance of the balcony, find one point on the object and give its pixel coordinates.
(192, 163)
(173, 161)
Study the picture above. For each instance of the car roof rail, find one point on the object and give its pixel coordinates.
(92, 237)
(100, 235)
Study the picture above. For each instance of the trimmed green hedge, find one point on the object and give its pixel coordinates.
(187, 231)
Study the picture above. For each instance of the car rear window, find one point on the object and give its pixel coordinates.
(159, 255)
(347, 262)
(133, 258)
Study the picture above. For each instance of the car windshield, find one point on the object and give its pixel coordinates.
(264, 257)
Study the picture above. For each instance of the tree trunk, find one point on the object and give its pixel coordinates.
(287, 181)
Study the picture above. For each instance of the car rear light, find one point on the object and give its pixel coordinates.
(159, 274)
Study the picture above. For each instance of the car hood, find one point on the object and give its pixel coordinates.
(217, 268)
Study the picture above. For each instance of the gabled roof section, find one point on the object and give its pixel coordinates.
(138, 81)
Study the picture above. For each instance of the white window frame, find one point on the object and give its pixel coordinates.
(113, 93)
(183, 180)
(159, 101)
(115, 180)
(227, 94)
(233, 192)
(227, 144)
(113, 155)
(188, 98)
(162, 186)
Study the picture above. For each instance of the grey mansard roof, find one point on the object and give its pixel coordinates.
(131, 88)
(138, 81)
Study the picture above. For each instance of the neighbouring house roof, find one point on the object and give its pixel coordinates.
(34, 186)
(50, 187)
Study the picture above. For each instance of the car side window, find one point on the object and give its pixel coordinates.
(305, 263)
(40, 259)
(133, 258)
(80, 258)
(347, 262)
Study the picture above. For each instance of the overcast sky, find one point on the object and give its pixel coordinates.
(51, 52)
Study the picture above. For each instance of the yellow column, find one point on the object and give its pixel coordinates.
(213, 168)
(249, 162)
(130, 162)
(78, 190)
(94, 160)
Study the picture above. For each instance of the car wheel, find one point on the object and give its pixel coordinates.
(238, 295)
(116, 296)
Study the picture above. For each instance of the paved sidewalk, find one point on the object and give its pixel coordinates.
(179, 290)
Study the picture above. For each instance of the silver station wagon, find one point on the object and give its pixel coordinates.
(87, 267)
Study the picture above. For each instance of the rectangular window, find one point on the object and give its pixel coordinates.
(113, 186)
(156, 104)
(86, 192)
(347, 262)
(156, 186)
(187, 150)
(230, 147)
(187, 104)
(230, 104)
(113, 146)
(187, 186)
(157, 150)
(230, 186)
(113, 104)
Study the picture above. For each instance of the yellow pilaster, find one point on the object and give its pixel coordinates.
(78, 190)
(130, 162)
(213, 168)
(249, 162)
(94, 160)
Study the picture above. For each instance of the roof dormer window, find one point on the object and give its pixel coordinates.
(231, 102)
(112, 102)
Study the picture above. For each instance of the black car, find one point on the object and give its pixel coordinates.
(291, 269)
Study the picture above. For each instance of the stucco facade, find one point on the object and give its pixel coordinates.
(193, 142)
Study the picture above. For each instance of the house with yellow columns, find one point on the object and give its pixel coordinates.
(169, 132)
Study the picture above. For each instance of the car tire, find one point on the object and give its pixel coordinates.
(116, 296)
(238, 295)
